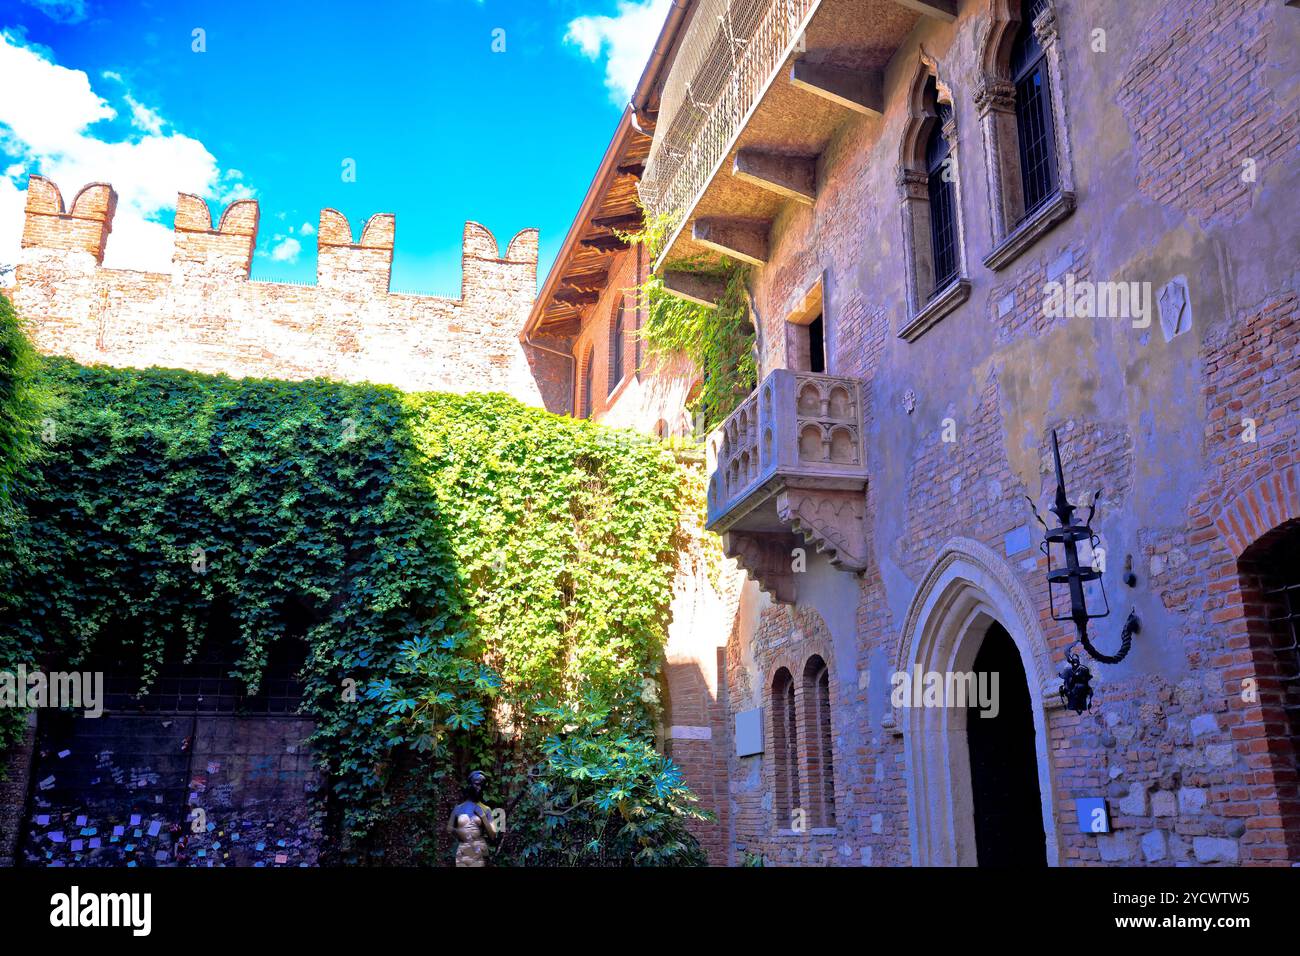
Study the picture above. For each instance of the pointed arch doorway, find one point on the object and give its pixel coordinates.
(1005, 802)
(979, 789)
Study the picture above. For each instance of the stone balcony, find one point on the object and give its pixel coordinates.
(788, 472)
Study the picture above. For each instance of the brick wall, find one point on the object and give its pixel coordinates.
(650, 398)
(1200, 101)
(205, 315)
(784, 642)
(1194, 771)
(695, 719)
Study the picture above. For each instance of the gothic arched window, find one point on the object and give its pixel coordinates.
(930, 184)
(941, 176)
(617, 334)
(588, 370)
(1033, 103)
(785, 740)
(1020, 101)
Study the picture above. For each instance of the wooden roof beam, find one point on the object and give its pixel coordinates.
(560, 328)
(862, 92)
(945, 10)
(741, 239)
(605, 243)
(623, 223)
(793, 177)
(587, 280)
(694, 287)
(577, 297)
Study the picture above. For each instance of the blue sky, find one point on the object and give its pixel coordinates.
(441, 127)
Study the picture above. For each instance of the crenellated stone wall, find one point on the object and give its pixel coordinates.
(207, 316)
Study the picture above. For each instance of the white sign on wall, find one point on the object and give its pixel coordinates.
(749, 732)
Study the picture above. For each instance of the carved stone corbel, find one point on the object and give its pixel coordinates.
(831, 520)
(950, 131)
(768, 557)
(913, 184)
(1045, 26)
(992, 93)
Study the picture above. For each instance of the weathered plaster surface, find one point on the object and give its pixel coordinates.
(1159, 125)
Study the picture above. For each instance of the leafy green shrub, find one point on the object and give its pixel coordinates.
(603, 797)
(24, 402)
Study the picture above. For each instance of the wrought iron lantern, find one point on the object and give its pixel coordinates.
(1076, 593)
(1076, 683)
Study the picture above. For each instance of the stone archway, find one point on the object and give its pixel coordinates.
(967, 590)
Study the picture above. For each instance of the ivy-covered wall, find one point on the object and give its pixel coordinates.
(22, 403)
(476, 582)
(719, 340)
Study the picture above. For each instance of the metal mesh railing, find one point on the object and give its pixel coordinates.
(730, 53)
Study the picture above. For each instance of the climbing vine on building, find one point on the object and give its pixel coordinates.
(474, 581)
(719, 341)
(23, 403)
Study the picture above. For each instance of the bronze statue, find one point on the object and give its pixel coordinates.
(471, 823)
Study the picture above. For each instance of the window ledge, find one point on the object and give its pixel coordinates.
(954, 294)
(1056, 209)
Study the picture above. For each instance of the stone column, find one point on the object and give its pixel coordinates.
(995, 105)
(918, 256)
(1045, 30)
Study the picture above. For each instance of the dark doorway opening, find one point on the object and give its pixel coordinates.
(816, 345)
(1004, 764)
(1270, 583)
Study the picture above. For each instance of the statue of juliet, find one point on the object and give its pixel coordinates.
(471, 823)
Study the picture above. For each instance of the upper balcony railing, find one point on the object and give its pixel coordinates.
(799, 429)
(729, 75)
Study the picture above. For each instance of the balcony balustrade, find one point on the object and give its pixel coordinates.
(788, 471)
(729, 57)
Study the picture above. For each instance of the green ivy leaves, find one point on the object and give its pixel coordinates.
(23, 405)
(461, 560)
(719, 340)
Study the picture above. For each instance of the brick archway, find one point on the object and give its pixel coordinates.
(818, 791)
(1247, 526)
(1260, 511)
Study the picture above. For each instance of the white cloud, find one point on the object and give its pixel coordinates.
(286, 249)
(64, 11)
(624, 40)
(56, 134)
(307, 229)
(232, 186)
(143, 118)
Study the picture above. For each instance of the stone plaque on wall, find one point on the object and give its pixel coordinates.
(1175, 308)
